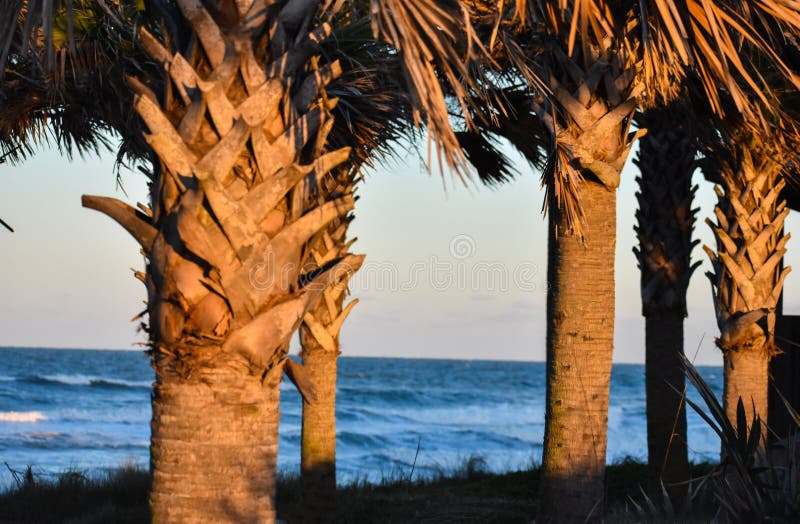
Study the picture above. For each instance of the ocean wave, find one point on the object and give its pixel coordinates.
(57, 440)
(86, 380)
(22, 416)
(362, 440)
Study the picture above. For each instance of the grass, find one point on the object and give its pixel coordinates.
(469, 495)
(75, 498)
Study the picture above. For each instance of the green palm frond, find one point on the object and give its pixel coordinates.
(374, 110)
(74, 101)
(514, 120)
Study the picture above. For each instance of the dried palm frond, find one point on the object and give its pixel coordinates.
(400, 80)
(79, 103)
(437, 45)
(721, 40)
(656, 44)
(513, 120)
(374, 110)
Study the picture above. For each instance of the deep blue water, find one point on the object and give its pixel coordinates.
(90, 410)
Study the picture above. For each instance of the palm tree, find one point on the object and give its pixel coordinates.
(747, 274)
(665, 217)
(225, 241)
(239, 131)
(378, 116)
(590, 65)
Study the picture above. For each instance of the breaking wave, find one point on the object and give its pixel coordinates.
(22, 416)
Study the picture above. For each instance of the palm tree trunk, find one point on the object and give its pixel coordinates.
(591, 134)
(226, 238)
(214, 445)
(747, 278)
(667, 451)
(746, 377)
(665, 220)
(318, 446)
(580, 339)
(320, 349)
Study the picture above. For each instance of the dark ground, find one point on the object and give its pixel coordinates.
(469, 495)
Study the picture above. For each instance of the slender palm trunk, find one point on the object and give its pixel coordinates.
(593, 141)
(225, 239)
(320, 349)
(747, 277)
(667, 451)
(580, 338)
(318, 446)
(665, 222)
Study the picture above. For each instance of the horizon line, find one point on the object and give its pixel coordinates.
(478, 359)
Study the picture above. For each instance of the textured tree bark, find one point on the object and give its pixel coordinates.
(665, 221)
(320, 349)
(747, 277)
(666, 412)
(580, 340)
(318, 447)
(746, 377)
(226, 239)
(214, 445)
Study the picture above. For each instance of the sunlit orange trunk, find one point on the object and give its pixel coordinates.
(318, 445)
(236, 148)
(580, 338)
(214, 444)
(591, 132)
(747, 277)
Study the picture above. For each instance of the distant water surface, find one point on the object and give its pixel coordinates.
(90, 410)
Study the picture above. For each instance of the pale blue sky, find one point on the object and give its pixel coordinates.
(452, 272)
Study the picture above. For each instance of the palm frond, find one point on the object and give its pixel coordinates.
(374, 110)
(437, 45)
(77, 100)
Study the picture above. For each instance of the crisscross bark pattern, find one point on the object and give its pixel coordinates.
(665, 221)
(593, 140)
(239, 133)
(747, 276)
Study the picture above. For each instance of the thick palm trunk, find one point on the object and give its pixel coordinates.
(746, 377)
(239, 139)
(747, 277)
(320, 349)
(593, 141)
(580, 338)
(214, 445)
(665, 222)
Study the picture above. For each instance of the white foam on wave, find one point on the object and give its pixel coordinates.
(90, 380)
(73, 380)
(22, 416)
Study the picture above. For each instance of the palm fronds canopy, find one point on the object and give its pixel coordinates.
(42, 43)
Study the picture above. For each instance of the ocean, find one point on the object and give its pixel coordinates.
(89, 410)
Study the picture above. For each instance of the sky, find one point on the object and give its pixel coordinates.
(451, 271)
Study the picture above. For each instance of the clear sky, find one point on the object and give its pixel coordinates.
(451, 271)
